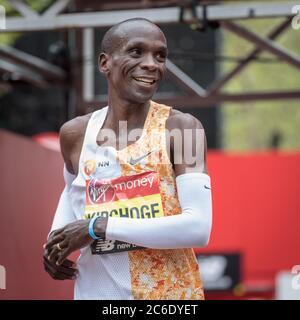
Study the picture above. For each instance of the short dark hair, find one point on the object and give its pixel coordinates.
(109, 43)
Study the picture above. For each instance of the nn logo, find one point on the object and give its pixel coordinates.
(2, 278)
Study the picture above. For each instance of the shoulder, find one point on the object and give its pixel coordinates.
(71, 135)
(181, 120)
(73, 129)
(188, 146)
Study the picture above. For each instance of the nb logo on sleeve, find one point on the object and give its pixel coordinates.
(105, 245)
(102, 246)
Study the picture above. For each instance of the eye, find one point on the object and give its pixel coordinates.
(161, 56)
(135, 52)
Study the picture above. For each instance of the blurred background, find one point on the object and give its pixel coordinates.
(235, 65)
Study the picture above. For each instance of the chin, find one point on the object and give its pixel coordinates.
(141, 98)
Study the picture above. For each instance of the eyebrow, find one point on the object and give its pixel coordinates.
(142, 44)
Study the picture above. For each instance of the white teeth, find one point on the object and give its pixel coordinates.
(145, 80)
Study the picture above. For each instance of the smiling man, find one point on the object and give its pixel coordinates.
(134, 206)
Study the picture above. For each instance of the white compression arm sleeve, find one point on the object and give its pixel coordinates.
(189, 229)
(64, 213)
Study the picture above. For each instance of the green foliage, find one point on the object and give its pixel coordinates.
(250, 126)
(37, 5)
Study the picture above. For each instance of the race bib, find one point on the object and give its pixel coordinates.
(136, 197)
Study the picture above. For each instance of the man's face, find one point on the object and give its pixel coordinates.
(137, 66)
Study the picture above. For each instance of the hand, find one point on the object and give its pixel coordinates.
(66, 240)
(66, 271)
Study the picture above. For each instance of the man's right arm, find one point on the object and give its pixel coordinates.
(64, 213)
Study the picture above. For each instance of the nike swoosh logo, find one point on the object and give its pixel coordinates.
(137, 160)
(206, 187)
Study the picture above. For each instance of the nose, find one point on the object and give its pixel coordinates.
(149, 63)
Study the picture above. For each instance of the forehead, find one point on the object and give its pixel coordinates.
(142, 33)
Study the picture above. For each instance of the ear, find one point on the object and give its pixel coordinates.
(103, 63)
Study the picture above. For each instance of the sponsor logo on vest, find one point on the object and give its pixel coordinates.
(99, 191)
(89, 167)
(134, 196)
(144, 182)
(137, 160)
(103, 164)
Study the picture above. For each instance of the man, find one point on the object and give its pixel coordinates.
(135, 209)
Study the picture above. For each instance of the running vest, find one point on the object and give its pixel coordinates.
(136, 182)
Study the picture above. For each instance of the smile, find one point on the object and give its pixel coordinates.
(145, 80)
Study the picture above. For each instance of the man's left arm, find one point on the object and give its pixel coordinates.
(192, 227)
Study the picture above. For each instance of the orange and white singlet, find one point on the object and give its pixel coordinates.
(136, 182)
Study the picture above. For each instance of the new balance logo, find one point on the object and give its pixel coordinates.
(105, 245)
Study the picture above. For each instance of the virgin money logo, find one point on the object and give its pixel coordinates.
(2, 18)
(100, 192)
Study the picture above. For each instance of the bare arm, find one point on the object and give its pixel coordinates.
(189, 154)
(64, 220)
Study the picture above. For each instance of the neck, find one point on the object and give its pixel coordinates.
(121, 110)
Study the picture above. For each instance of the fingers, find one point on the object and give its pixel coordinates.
(69, 264)
(59, 274)
(61, 269)
(55, 252)
(62, 272)
(66, 263)
(54, 240)
(62, 256)
(56, 232)
(51, 235)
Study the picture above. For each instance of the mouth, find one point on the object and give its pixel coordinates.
(145, 81)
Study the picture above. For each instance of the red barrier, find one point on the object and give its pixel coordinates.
(255, 199)
(30, 185)
(256, 210)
